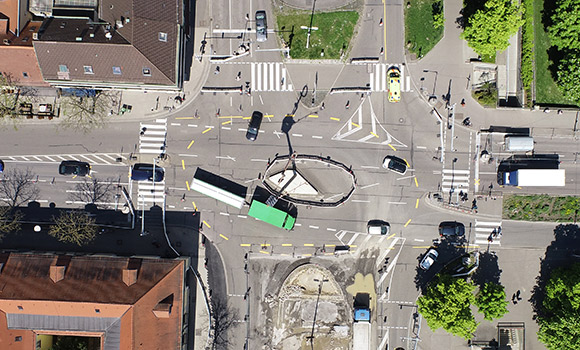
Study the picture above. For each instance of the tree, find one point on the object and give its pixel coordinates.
(569, 76)
(223, 319)
(565, 28)
(9, 221)
(18, 187)
(490, 28)
(87, 112)
(446, 304)
(491, 301)
(70, 343)
(74, 226)
(560, 317)
(11, 95)
(93, 191)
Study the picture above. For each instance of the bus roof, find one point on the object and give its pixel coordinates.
(271, 215)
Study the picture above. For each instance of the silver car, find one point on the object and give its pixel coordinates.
(261, 26)
(429, 259)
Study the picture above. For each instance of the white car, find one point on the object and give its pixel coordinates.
(429, 259)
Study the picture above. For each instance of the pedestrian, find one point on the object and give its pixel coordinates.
(463, 102)
(494, 233)
(499, 231)
(490, 238)
(347, 106)
(239, 76)
(217, 70)
(381, 23)
(322, 106)
(474, 204)
(183, 198)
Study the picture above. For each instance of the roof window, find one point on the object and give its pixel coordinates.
(163, 37)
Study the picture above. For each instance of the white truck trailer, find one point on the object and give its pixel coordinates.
(534, 177)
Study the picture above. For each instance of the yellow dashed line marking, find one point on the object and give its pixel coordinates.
(190, 144)
(194, 206)
(355, 124)
(246, 117)
(417, 204)
(183, 164)
(306, 254)
(227, 122)
(187, 184)
(312, 116)
(308, 244)
(263, 252)
(286, 244)
(375, 135)
(518, 187)
(416, 183)
(391, 236)
(333, 118)
(206, 130)
(206, 224)
(394, 149)
(224, 237)
(421, 246)
(184, 118)
(269, 116)
(245, 245)
(407, 224)
(330, 245)
(353, 246)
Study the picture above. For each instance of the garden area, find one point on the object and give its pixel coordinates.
(424, 23)
(329, 40)
(540, 208)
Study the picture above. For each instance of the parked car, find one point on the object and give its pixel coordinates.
(261, 26)
(74, 167)
(144, 172)
(429, 259)
(1, 166)
(394, 78)
(378, 227)
(395, 164)
(451, 229)
(254, 126)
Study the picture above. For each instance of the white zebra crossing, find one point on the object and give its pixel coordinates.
(269, 76)
(152, 139)
(149, 192)
(456, 179)
(483, 229)
(378, 77)
(116, 159)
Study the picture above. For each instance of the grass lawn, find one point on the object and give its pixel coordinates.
(335, 29)
(546, 90)
(540, 208)
(420, 34)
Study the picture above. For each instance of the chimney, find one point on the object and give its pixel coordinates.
(131, 272)
(58, 268)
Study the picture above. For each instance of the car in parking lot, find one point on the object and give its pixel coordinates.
(451, 229)
(429, 259)
(394, 79)
(254, 126)
(74, 167)
(144, 172)
(378, 227)
(261, 26)
(395, 164)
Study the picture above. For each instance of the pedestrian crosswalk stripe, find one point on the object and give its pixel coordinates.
(378, 77)
(269, 76)
(483, 229)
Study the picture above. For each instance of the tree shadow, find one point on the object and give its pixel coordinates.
(448, 250)
(488, 270)
(558, 254)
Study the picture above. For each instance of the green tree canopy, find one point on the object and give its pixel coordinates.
(569, 76)
(491, 301)
(560, 317)
(446, 304)
(490, 28)
(565, 28)
(74, 226)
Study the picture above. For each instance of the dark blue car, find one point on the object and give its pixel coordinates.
(144, 172)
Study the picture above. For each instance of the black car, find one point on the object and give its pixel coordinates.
(144, 172)
(1, 166)
(451, 229)
(261, 26)
(395, 164)
(74, 167)
(254, 126)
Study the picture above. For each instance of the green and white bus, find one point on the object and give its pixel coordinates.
(271, 215)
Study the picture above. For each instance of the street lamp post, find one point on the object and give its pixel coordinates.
(311, 337)
(451, 190)
(434, 82)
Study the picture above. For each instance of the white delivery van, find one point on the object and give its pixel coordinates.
(519, 143)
